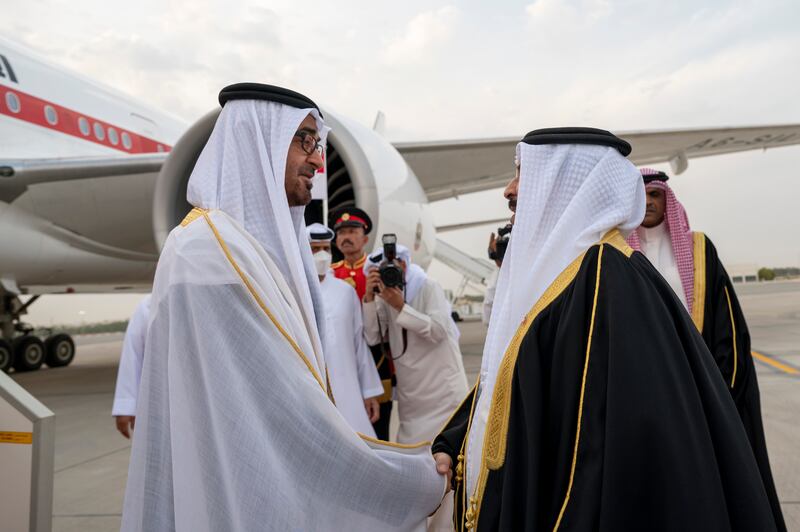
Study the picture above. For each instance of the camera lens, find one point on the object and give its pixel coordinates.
(391, 275)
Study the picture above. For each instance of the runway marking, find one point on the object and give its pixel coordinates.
(777, 364)
(86, 515)
(71, 394)
(93, 459)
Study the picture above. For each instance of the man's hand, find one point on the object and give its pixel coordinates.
(493, 249)
(373, 282)
(125, 425)
(373, 408)
(394, 297)
(444, 466)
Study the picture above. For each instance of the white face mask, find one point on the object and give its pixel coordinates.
(322, 261)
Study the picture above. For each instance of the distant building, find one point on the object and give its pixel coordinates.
(790, 272)
(743, 273)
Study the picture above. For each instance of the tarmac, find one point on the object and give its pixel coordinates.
(91, 458)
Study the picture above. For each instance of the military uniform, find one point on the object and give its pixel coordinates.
(353, 274)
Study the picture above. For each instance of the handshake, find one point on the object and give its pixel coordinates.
(444, 466)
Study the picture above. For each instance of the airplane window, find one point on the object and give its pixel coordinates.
(12, 101)
(83, 125)
(50, 115)
(99, 132)
(126, 140)
(112, 136)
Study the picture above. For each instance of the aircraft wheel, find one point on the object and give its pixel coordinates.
(28, 353)
(6, 356)
(60, 350)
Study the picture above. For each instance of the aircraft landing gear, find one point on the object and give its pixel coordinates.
(59, 350)
(28, 353)
(6, 356)
(23, 350)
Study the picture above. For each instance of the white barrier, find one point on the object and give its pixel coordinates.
(27, 444)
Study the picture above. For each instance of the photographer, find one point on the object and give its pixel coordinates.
(413, 310)
(497, 250)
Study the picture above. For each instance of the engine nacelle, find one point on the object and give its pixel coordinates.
(364, 170)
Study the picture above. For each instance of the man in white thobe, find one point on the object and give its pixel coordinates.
(236, 429)
(130, 369)
(354, 378)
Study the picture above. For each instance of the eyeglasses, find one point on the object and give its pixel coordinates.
(309, 142)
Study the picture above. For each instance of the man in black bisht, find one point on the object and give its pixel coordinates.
(599, 407)
(689, 263)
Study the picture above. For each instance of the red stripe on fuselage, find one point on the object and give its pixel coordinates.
(32, 110)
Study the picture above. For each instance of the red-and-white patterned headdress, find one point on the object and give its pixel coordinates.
(679, 231)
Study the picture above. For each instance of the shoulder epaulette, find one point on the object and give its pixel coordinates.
(614, 239)
(193, 215)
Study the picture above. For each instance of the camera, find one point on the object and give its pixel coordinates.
(391, 273)
(501, 243)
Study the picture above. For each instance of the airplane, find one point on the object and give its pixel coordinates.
(92, 181)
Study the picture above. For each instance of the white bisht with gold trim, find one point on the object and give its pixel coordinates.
(235, 429)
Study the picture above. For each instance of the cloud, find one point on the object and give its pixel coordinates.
(566, 15)
(724, 88)
(542, 11)
(172, 64)
(422, 35)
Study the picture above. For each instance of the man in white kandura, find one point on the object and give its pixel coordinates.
(354, 378)
(235, 426)
(129, 373)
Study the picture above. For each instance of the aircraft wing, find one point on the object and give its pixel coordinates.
(16, 175)
(449, 168)
(445, 168)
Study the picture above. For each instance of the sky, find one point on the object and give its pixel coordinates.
(452, 70)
